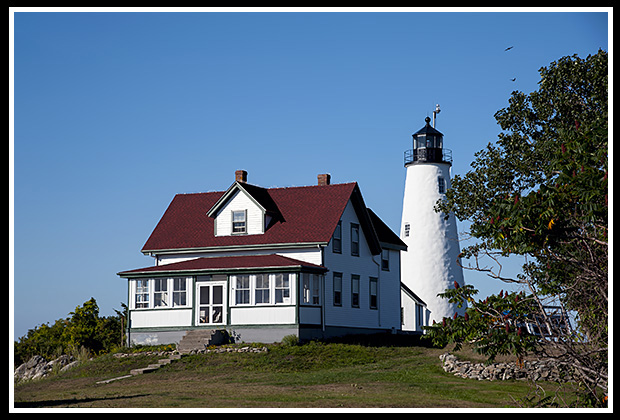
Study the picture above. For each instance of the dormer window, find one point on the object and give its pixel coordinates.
(239, 221)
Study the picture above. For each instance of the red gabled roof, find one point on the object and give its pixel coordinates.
(306, 215)
(242, 262)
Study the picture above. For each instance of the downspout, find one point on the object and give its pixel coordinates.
(321, 249)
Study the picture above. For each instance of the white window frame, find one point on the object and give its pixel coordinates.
(240, 288)
(179, 294)
(160, 293)
(282, 288)
(141, 294)
(262, 293)
(242, 224)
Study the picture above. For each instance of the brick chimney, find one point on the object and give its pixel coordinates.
(324, 179)
(241, 176)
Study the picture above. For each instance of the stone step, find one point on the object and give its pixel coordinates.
(201, 338)
(140, 371)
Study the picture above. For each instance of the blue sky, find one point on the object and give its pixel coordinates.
(115, 113)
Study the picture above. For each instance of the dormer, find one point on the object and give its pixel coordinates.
(244, 209)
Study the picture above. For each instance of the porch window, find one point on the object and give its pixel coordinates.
(160, 292)
(242, 293)
(142, 293)
(282, 288)
(261, 291)
(179, 292)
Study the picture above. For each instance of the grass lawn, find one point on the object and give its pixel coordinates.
(306, 376)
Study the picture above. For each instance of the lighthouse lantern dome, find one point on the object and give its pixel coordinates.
(428, 146)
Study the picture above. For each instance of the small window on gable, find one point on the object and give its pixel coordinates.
(239, 222)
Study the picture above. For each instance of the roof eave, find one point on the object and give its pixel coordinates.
(251, 247)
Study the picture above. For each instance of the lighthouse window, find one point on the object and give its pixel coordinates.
(407, 230)
(441, 182)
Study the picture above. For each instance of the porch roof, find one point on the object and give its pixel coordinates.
(233, 263)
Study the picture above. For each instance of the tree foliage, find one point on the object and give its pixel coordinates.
(540, 192)
(83, 329)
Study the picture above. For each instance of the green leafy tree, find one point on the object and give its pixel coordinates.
(84, 329)
(540, 192)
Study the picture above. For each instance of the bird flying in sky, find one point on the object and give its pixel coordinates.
(513, 79)
(509, 48)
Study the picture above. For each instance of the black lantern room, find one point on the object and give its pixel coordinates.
(428, 147)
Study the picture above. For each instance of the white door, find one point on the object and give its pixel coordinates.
(211, 299)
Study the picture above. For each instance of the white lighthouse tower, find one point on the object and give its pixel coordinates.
(429, 266)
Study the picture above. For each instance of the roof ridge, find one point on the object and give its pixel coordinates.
(270, 188)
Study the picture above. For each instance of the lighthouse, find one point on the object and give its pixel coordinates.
(430, 264)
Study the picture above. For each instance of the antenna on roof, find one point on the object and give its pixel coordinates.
(435, 112)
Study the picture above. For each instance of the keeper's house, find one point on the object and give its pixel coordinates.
(264, 263)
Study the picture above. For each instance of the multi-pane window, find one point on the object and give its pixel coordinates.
(179, 292)
(337, 289)
(142, 293)
(355, 290)
(282, 288)
(239, 221)
(160, 292)
(242, 290)
(261, 289)
(355, 239)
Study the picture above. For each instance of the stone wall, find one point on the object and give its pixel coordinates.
(536, 370)
(37, 367)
